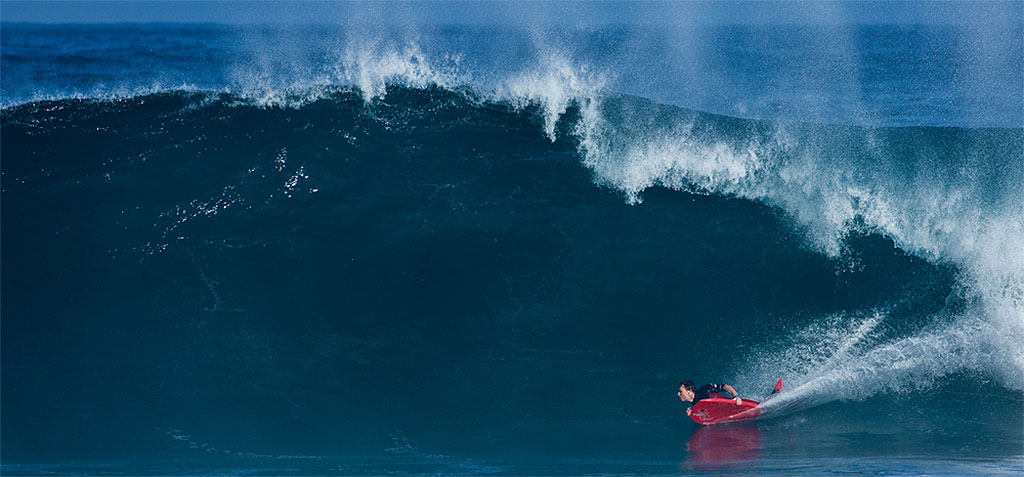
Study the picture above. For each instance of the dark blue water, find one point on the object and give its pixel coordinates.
(489, 251)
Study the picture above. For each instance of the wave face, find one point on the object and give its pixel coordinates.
(414, 261)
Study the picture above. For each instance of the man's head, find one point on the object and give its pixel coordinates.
(686, 391)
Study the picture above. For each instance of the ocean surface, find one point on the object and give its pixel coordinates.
(493, 250)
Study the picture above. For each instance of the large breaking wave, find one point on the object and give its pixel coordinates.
(950, 196)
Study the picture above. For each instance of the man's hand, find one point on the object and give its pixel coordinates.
(688, 410)
(738, 400)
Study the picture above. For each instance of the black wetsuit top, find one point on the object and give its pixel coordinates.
(709, 391)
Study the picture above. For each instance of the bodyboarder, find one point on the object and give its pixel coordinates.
(687, 393)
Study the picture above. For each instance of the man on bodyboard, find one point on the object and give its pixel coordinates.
(712, 403)
(688, 394)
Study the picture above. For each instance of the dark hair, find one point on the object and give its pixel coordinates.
(687, 384)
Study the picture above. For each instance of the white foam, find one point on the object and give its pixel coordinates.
(938, 212)
(555, 84)
(372, 70)
(680, 164)
(898, 366)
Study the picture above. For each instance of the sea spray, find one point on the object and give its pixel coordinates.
(933, 195)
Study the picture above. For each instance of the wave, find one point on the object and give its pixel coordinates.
(948, 195)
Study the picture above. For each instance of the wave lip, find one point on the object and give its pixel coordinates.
(853, 75)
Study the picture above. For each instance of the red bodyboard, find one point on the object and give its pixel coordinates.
(719, 410)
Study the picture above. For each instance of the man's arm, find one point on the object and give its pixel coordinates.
(731, 390)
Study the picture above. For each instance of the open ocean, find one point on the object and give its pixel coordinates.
(492, 250)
